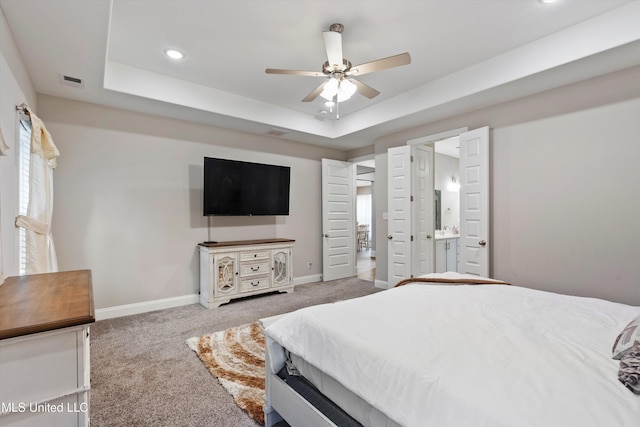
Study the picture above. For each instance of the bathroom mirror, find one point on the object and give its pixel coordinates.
(438, 211)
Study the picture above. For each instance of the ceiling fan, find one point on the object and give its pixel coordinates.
(342, 84)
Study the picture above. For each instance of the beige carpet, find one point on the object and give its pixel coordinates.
(143, 374)
(236, 358)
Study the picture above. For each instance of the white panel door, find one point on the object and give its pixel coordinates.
(474, 202)
(422, 209)
(338, 220)
(399, 214)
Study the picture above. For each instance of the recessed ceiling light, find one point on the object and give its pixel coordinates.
(547, 1)
(174, 54)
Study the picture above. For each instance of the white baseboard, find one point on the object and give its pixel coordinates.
(144, 307)
(381, 284)
(307, 279)
(160, 304)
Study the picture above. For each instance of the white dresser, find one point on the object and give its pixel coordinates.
(241, 268)
(44, 349)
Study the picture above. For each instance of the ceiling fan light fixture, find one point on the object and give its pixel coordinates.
(339, 70)
(330, 89)
(344, 89)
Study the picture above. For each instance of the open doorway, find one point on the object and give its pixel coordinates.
(365, 218)
(447, 204)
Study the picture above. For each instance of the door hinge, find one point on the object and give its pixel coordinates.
(412, 157)
(411, 199)
(412, 238)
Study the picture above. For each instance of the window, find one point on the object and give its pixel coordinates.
(363, 205)
(24, 177)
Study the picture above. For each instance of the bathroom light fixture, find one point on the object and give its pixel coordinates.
(174, 54)
(453, 185)
(547, 1)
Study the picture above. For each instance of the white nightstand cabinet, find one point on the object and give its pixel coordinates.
(44, 349)
(237, 269)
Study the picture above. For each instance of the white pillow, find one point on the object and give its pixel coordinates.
(629, 337)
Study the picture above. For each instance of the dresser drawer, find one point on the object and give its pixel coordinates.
(248, 285)
(254, 269)
(254, 255)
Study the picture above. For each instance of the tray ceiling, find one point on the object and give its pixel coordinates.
(465, 54)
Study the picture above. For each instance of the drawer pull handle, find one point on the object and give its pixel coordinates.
(255, 268)
(255, 284)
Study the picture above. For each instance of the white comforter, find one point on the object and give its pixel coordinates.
(481, 355)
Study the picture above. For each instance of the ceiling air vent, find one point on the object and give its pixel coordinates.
(71, 81)
(277, 132)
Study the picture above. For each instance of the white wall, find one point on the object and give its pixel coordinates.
(15, 89)
(564, 173)
(128, 198)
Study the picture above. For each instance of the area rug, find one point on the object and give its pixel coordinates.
(236, 358)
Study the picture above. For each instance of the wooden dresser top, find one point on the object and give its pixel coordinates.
(44, 302)
(245, 242)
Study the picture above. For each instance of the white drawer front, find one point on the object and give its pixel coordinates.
(254, 269)
(254, 255)
(255, 284)
(72, 411)
(41, 366)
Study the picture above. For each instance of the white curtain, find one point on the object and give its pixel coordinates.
(40, 252)
(3, 152)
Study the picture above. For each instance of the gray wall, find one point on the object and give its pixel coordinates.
(565, 202)
(128, 198)
(564, 179)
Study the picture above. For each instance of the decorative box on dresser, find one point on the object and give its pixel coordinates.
(241, 268)
(44, 349)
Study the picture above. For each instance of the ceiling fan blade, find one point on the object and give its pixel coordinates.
(380, 64)
(333, 44)
(295, 72)
(364, 89)
(314, 93)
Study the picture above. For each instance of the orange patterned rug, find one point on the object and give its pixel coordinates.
(236, 358)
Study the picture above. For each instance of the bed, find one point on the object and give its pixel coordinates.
(448, 352)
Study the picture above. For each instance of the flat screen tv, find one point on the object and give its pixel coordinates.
(239, 188)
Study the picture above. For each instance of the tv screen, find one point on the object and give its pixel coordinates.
(234, 187)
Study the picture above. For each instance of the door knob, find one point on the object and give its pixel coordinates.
(326, 235)
(389, 237)
(428, 236)
(482, 243)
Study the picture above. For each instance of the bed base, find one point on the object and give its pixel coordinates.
(283, 402)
